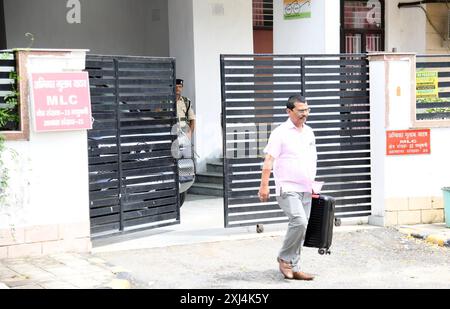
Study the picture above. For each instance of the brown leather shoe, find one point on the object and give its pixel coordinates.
(299, 275)
(286, 269)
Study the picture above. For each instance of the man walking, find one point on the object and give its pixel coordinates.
(291, 151)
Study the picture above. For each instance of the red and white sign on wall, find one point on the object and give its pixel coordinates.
(61, 101)
(406, 142)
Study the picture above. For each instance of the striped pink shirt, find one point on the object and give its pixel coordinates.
(295, 156)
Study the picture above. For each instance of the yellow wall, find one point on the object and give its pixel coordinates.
(438, 14)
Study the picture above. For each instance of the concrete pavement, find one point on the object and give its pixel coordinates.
(62, 271)
(202, 228)
(200, 253)
(361, 258)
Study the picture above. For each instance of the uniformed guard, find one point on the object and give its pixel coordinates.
(185, 112)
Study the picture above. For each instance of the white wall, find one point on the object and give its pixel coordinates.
(318, 34)
(117, 27)
(405, 28)
(377, 138)
(181, 43)
(332, 24)
(413, 175)
(421, 175)
(50, 180)
(220, 27)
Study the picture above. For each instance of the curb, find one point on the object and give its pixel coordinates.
(442, 240)
(122, 278)
(119, 284)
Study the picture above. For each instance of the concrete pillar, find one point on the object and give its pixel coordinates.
(392, 89)
(296, 36)
(200, 31)
(47, 210)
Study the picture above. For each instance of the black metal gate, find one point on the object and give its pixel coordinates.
(255, 89)
(133, 177)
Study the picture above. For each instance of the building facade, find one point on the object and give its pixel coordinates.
(196, 32)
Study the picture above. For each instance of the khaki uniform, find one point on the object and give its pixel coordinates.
(183, 118)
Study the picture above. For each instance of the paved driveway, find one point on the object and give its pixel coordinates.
(362, 257)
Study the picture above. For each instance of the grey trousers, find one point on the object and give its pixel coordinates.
(297, 207)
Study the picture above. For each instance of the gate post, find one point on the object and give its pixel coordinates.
(49, 198)
(392, 91)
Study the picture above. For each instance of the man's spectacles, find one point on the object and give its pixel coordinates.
(301, 111)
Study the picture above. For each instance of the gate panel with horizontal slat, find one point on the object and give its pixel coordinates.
(255, 89)
(133, 177)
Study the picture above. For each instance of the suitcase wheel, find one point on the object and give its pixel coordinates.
(259, 228)
(337, 222)
(323, 251)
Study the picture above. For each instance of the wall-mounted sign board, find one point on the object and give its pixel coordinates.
(408, 142)
(60, 101)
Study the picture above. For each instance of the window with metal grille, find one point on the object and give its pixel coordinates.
(262, 14)
(362, 26)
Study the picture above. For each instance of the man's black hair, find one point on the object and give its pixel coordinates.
(295, 99)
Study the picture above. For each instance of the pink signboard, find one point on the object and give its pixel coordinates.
(61, 101)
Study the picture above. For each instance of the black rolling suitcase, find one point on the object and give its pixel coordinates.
(319, 232)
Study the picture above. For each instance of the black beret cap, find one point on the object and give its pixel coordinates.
(180, 81)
